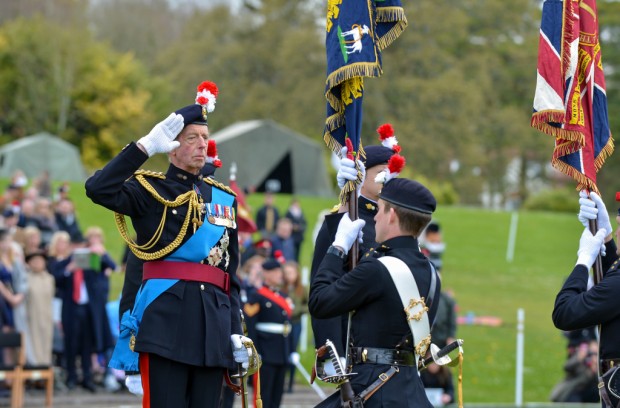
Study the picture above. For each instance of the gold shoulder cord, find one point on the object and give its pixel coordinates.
(219, 185)
(193, 213)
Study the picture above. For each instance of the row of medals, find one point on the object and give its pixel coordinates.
(225, 219)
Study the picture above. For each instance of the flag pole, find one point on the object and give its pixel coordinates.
(598, 264)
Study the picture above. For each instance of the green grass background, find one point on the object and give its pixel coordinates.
(483, 282)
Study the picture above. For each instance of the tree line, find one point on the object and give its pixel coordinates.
(457, 86)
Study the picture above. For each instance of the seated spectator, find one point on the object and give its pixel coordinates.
(581, 376)
(439, 377)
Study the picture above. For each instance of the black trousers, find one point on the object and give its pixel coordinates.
(272, 384)
(78, 342)
(173, 384)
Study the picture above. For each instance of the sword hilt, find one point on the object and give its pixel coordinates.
(333, 354)
(441, 353)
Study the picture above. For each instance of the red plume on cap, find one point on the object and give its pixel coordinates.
(386, 130)
(618, 196)
(387, 138)
(206, 95)
(396, 163)
(394, 167)
(208, 86)
(212, 154)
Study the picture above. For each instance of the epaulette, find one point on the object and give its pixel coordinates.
(335, 209)
(219, 185)
(149, 173)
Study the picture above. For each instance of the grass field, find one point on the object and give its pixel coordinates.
(483, 282)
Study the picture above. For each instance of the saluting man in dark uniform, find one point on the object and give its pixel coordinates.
(180, 302)
(268, 314)
(377, 157)
(577, 307)
(383, 351)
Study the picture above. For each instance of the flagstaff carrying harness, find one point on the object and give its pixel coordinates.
(416, 309)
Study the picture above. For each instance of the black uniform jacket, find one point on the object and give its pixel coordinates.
(192, 321)
(335, 328)
(274, 348)
(576, 307)
(379, 319)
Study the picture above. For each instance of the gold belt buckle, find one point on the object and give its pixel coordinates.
(364, 355)
(383, 377)
(286, 329)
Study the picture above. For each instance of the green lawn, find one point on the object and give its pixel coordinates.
(484, 283)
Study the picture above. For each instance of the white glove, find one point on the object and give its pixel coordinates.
(293, 358)
(241, 353)
(348, 231)
(134, 384)
(589, 247)
(329, 369)
(594, 209)
(161, 138)
(348, 172)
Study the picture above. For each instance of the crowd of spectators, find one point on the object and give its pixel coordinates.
(54, 284)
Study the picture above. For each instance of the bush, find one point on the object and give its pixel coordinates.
(557, 200)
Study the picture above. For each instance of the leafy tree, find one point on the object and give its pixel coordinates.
(143, 27)
(70, 85)
(458, 85)
(268, 63)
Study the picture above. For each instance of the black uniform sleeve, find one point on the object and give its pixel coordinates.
(107, 186)
(331, 328)
(334, 294)
(576, 307)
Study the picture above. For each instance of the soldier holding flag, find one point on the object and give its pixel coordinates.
(570, 104)
(394, 292)
(576, 307)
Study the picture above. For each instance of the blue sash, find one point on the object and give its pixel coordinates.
(195, 249)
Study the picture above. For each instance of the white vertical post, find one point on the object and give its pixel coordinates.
(303, 337)
(519, 363)
(512, 236)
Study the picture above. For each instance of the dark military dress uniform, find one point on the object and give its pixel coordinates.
(335, 328)
(190, 322)
(379, 321)
(576, 307)
(268, 315)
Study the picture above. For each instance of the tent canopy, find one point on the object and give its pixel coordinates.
(272, 157)
(42, 152)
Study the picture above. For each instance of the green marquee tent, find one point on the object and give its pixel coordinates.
(42, 152)
(271, 157)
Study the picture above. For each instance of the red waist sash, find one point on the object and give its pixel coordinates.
(187, 271)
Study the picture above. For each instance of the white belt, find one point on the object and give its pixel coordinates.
(275, 328)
